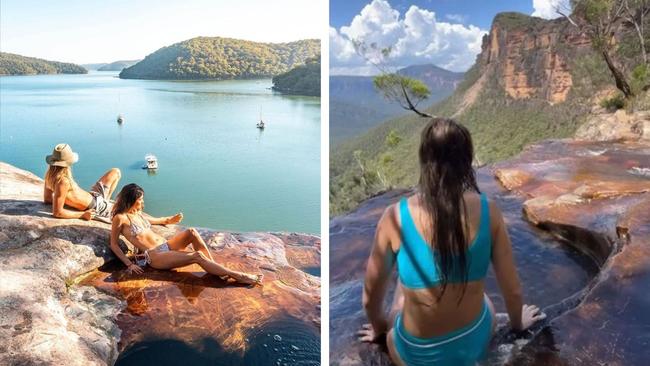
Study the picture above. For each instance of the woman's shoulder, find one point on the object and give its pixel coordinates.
(120, 218)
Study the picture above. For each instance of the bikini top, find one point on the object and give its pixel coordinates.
(416, 260)
(137, 229)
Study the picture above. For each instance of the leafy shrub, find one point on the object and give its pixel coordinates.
(640, 78)
(613, 103)
(393, 138)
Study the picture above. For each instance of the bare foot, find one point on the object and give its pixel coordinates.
(251, 279)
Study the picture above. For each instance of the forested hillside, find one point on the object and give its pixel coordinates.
(301, 80)
(216, 58)
(12, 64)
(118, 65)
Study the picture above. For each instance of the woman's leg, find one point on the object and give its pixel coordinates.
(181, 240)
(392, 351)
(110, 180)
(175, 259)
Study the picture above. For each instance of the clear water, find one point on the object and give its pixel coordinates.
(214, 165)
(286, 341)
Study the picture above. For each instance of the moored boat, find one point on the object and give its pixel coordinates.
(151, 162)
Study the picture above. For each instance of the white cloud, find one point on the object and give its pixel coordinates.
(547, 8)
(416, 38)
(458, 18)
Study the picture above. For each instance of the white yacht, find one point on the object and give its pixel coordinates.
(151, 162)
(260, 124)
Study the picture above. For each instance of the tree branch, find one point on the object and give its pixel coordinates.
(410, 105)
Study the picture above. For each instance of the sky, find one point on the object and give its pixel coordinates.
(91, 31)
(447, 33)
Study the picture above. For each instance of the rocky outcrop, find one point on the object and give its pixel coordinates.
(529, 56)
(43, 315)
(594, 195)
(582, 248)
(616, 126)
(60, 291)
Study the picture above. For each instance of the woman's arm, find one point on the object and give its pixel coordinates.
(116, 229)
(47, 194)
(167, 220)
(378, 271)
(521, 316)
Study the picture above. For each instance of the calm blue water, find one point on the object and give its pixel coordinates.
(214, 165)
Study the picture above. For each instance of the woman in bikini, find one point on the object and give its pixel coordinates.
(130, 221)
(440, 313)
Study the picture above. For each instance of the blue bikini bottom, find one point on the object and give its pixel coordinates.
(465, 346)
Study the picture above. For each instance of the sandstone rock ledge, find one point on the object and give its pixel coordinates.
(595, 195)
(49, 314)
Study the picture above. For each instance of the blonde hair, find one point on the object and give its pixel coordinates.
(55, 173)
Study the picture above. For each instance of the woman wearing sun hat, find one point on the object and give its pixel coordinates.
(61, 190)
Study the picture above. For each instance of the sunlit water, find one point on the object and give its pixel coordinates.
(215, 165)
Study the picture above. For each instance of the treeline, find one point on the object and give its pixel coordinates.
(301, 80)
(216, 58)
(12, 64)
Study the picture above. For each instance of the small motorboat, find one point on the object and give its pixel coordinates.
(151, 162)
(120, 119)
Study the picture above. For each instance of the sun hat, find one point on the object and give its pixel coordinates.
(62, 155)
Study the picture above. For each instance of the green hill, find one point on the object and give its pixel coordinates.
(117, 65)
(533, 80)
(94, 66)
(301, 80)
(12, 64)
(216, 58)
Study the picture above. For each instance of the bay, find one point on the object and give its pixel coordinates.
(214, 165)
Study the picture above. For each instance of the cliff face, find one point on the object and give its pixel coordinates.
(65, 302)
(530, 56)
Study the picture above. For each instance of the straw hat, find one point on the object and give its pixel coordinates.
(62, 155)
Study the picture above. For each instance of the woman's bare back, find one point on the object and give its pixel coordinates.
(425, 313)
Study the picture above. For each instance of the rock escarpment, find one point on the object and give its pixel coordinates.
(49, 308)
(585, 259)
(530, 56)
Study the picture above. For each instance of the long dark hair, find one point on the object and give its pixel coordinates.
(446, 173)
(126, 198)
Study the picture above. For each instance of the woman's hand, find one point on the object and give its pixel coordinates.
(174, 219)
(367, 334)
(88, 215)
(530, 314)
(134, 268)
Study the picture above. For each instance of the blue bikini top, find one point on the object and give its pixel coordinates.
(416, 260)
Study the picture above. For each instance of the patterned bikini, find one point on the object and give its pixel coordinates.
(144, 259)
